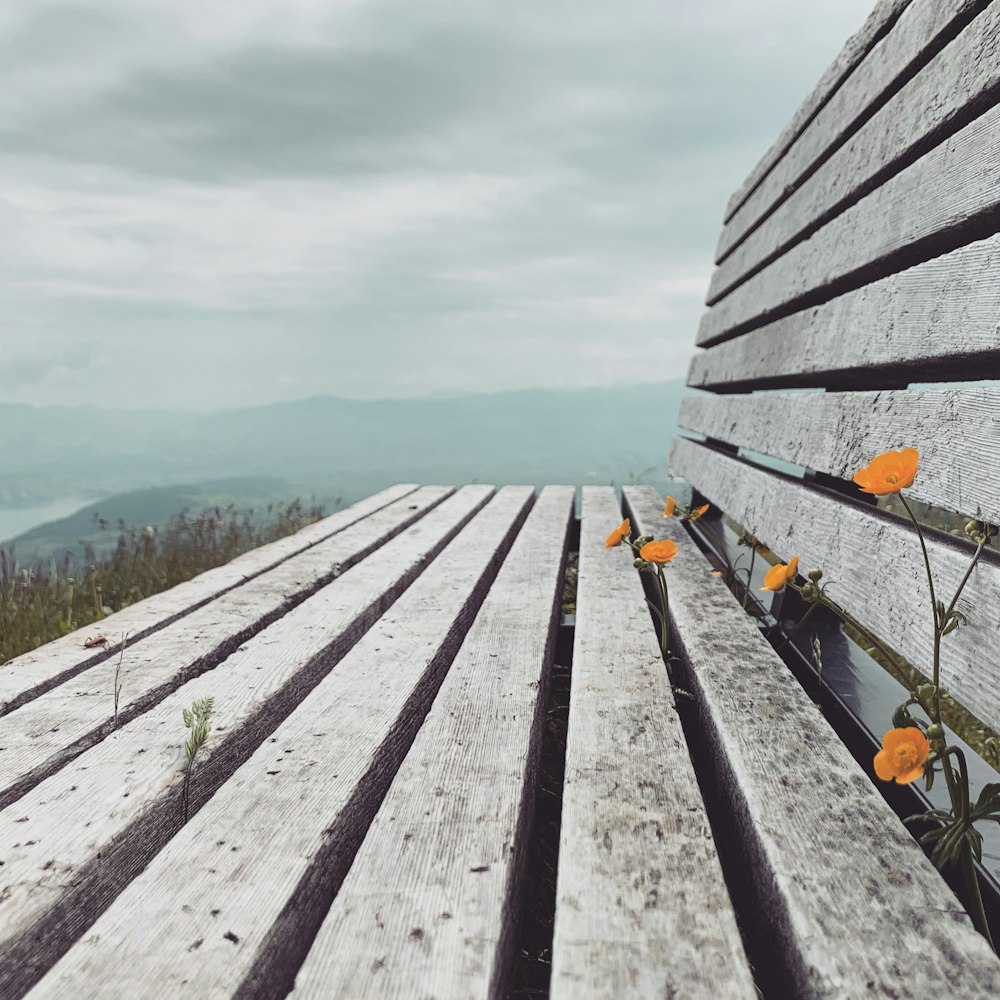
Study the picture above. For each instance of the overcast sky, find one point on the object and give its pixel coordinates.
(212, 203)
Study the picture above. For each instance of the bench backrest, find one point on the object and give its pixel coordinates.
(861, 256)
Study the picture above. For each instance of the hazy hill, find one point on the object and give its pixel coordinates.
(153, 506)
(152, 464)
(335, 446)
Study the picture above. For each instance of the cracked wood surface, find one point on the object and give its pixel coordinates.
(234, 899)
(839, 433)
(881, 20)
(937, 320)
(873, 562)
(947, 198)
(44, 734)
(76, 840)
(428, 908)
(845, 903)
(957, 84)
(641, 906)
(32, 673)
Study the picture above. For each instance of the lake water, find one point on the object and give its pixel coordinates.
(16, 520)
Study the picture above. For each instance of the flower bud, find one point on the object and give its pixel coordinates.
(638, 563)
(815, 575)
(935, 731)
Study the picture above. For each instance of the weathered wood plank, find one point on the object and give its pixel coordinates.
(641, 906)
(957, 433)
(429, 905)
(938, 320)
(955, 87)
(846, 905)
(105, 815)
(42, 735)
(948, 198)
(873, 562)
(879, 22)
(364, 711)
(271, 893)
(27, 676)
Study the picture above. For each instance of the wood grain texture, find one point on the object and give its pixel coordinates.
(641, 906)
(75, 841)
(956, 86)
(429, 905)
(845, 903)
(948, 198)
(873, 562)
(879, 22)
(27, 676)
(44, 734)
(938, 320)
(268, 885)
(956, 431)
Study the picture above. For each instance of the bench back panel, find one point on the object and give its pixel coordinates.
(863, 255)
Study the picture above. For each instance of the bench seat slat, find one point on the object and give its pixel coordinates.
(879, 22)
(102, 817)
(859, 548)
(937, 320)
(946, 199)
(846, 903)
(42, 735)
(263, 858)
(430, 903)
(955, 86)
(839, 433)
(28, 675)
(641, 906)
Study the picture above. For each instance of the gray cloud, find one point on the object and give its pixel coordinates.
(377, 198)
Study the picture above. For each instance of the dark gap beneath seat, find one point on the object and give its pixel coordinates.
(532, 965)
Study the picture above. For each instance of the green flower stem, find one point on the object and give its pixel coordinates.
(937, 625)
(801, 622)
(746, 592)
(958, 792)
(965, 579)
(968, 863)
(665, 619)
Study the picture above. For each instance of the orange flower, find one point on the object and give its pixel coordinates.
(658, 552)
(889, 472)
(668, 510)
(695, 514)
(777, 576)
(902, 756)
(618, 535)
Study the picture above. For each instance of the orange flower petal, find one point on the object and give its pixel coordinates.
(618, 535)
(883, 768)
(775, 579)
(670, 507)
(658, 552)
(889, 472)
(697, 512)
(791, 569)
(903, 755)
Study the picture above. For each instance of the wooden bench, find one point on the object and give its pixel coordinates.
(364, 818)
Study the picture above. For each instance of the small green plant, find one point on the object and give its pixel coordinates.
(118, 670)
(917, 745)
(196, 719)
(42, 601)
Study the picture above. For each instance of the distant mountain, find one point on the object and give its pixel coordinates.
(99, 524)
(343, 447)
